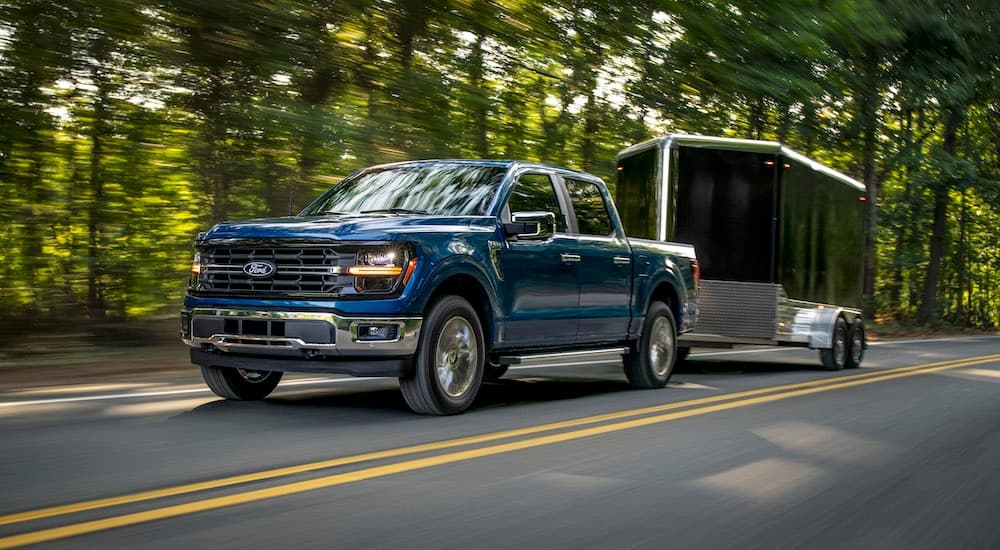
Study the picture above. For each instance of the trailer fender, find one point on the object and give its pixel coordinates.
(821, 327)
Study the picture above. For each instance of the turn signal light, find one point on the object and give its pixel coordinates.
(375, 270)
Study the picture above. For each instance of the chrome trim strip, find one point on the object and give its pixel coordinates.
(311, 269)
(662, 223)
(346, 340)
(518, 359)
(229, 343)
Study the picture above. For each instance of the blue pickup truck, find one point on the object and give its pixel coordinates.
(440, 273)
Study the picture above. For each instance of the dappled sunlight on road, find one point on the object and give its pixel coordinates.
(767, 481)
(977, 374)
(156, 407)
(819, 441)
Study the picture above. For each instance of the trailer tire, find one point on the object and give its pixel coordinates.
(651, 362)
(450, 359)
(855, 344)
(835, 358)
(240, 384)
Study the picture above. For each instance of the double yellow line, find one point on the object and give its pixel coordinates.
(598, 425)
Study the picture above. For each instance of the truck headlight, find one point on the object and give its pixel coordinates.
(382, 269)
(196, 267)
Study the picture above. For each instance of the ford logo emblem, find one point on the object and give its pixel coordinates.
(259, 269)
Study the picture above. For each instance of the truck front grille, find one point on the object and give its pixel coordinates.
(296, 270)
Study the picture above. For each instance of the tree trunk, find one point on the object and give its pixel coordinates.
(928, 305)
(96, 306)
(591, 126)
(895, 283)
(869, 108)
(215, 170)
(480, 100)
(366, 80)
(757, 119)
(960, 311)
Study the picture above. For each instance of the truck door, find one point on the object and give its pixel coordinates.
(605, 270)
(539, 276)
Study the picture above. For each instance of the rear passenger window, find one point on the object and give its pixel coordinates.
(535, 193)
(592, 217)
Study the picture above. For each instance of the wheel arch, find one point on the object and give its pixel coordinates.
(824, 323)
(662, 281)
(666, 292)
(474, 291)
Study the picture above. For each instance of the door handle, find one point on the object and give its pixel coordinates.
(569, 257)
(621, 260)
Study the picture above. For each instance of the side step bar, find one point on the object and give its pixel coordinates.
(520, 359)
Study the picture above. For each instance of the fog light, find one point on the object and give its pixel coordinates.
(377, 332)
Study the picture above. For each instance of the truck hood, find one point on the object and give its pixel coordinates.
(353, 227)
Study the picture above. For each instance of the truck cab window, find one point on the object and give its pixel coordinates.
(591, 211)
(535, 193)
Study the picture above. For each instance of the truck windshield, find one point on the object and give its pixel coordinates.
(442, 189)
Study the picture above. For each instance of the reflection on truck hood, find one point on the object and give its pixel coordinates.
(355, 227)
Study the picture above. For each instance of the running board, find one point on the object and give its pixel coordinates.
(520, 359)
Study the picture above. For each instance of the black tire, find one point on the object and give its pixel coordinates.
(240, 384)
(651, 362)
(450, 360)
(493, 372)
(855, 344)
(835, 358)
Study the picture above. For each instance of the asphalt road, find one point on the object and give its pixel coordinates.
(747, 449)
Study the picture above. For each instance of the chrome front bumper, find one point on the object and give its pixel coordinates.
(299, 334)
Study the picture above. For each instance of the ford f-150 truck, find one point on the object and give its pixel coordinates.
(441, 273)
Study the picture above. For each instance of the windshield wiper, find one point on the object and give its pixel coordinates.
(394, 211)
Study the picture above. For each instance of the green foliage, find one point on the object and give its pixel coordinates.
(129, 126)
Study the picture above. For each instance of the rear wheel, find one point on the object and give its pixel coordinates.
(651, 362)
(855, 344)
(835, 358)
(240, 384)
(450, 360)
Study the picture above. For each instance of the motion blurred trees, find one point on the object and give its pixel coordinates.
(130, 126)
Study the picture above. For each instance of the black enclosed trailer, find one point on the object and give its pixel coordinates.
(779, 239)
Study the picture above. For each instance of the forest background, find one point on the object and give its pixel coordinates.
(126, 127)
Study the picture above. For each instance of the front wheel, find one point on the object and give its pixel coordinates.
(449, 364)
(651, 362)
(240, 384)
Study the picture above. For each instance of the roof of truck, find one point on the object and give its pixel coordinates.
(499, 163)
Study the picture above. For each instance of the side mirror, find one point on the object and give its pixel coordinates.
(531, 226)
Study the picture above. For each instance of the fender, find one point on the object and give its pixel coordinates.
(818, 323)
(658, 274)
(453, 265)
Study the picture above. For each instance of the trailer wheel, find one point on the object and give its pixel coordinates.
(240, 384)
(855, 344)
(835, 358)
(450, 359)
(650, 364)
